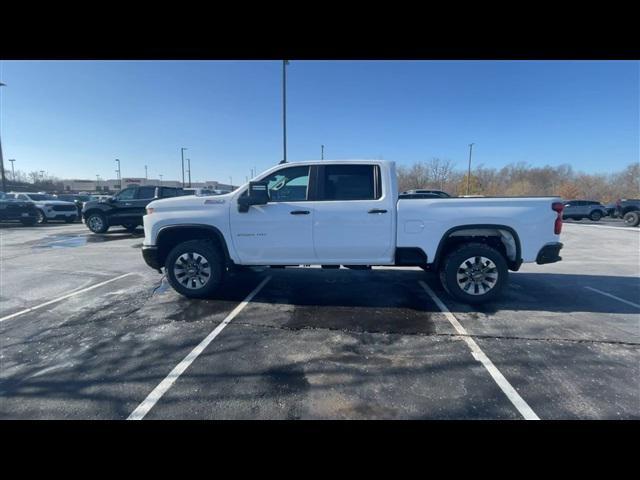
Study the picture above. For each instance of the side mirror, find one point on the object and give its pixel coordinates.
(258, 194)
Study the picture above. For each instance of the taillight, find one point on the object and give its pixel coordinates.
(557, 207)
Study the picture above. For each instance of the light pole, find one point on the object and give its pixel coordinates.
(146, 177)
(469, 171)
(182, 149)
(97, 182)
(284, 109)
(160, 179)
(4, 183)
(189, 167)
(321, 152)
(13, 173)
(119, 175)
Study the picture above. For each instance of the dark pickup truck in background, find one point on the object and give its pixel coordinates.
(17, 210)
(629, 210)
(126, 208)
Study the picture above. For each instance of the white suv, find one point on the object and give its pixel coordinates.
(49, 207)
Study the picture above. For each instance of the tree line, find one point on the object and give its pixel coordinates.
(522, 179)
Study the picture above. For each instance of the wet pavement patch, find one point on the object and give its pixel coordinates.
(78, 240)
(352, 301)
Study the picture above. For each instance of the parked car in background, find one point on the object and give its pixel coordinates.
(17, 210)
(201, 192)
(126, 208)
(611, 210)
(48, 207)
(629, 210)
(579, 209)
(78, 199)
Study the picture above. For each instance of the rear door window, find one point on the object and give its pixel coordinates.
(350, 182)
(145, 193)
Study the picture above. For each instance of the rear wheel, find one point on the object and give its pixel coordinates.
(595, 215)
(97, 223)
(474, 273)
(632, 219)
(131, 227)
(195, 268)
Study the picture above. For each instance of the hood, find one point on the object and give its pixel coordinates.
(179, 203)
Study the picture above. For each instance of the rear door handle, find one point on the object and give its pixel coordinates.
(377, 210)
(300, 212)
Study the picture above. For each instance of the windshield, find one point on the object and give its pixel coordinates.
(39, 197)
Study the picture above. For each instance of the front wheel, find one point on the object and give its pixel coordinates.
(40, 217)
(195, 268)
(131, 227)
(97, 223)
(474, 273)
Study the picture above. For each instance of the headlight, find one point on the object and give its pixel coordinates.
(149, 211)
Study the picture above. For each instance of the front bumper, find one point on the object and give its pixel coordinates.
(150, 256)
(550, 253)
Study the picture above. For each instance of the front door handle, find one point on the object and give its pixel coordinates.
(377, 210)
(300, 212)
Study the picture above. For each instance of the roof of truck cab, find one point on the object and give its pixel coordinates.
(316, 162)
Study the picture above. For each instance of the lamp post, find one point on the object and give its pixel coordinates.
(13, 173)
(321, 152)
(4, 184)
(189, 167)
(284, 110)
(469, 171)
(160, 179)
(146, 177)
(119, 175)
(97, 182)
(182, 149)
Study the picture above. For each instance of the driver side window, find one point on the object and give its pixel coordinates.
(126, 194)
(288, 184)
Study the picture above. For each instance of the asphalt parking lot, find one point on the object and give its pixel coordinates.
(88, 331)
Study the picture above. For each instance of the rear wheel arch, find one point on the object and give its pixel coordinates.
(501, 237)
(170, 236)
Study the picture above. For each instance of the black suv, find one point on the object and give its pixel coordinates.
(12, 209)
(126, 208)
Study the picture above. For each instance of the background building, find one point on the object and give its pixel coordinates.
(113, 185)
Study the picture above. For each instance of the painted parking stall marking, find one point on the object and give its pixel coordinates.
(523, 407)
(157, 393)
(64, 297)
(613, 296)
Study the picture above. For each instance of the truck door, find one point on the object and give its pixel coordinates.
(353, 221)
(122, 207)
(280, 232)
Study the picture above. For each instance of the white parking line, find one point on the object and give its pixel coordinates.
(613, 296)
(157, 393)
(511, 393)
(27, 310)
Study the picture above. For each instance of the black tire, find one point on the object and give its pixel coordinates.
(131, 227)
(211, 259)
(40, 217)
(358, 267)
(632, 219)
(29, 222)
(331, 267)
(596, 215)
(97, 223)
(451, 265)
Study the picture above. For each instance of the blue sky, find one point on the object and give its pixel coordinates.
(73, 118)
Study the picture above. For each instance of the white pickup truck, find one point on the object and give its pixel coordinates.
(334, 213)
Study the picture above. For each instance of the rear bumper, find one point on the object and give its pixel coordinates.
(549, 253)
(150, 256)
